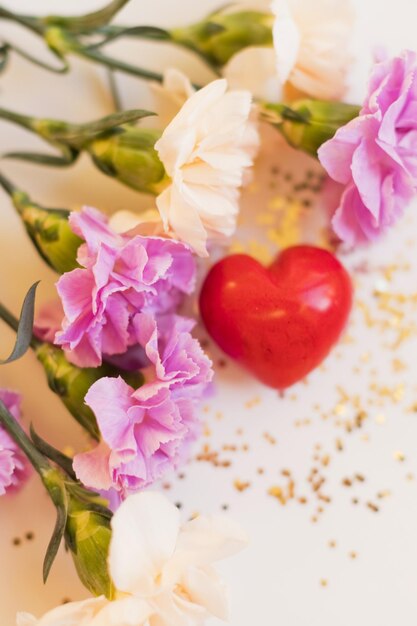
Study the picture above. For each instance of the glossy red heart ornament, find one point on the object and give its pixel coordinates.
(279, 322)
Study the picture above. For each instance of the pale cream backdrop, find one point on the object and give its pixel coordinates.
(288, 575)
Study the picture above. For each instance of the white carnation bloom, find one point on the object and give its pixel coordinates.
(147, 223)
(309, 53)
(169, 96)
(206, 150)
(163, 572)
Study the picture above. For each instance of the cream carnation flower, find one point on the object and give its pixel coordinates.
(147, 223)
(206, 150)
(170, 96)
(309, 54)
(163, 572)
(155, 558)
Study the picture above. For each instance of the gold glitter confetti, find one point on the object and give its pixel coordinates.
(240, 485)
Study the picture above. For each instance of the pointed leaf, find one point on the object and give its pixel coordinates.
(85, 23)
(44, 159)
(84, 131)
(142, 32)
(62, 68)
(4, 56)
(55, 542)
(61, 459)
(25, 327)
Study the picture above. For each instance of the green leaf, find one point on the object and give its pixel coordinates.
(4, 56)
(44, 159)
(55, 542)
(62, 68)
(25, 326)
(85, 23)
(89, 130)
(142, 32)
(62, 460)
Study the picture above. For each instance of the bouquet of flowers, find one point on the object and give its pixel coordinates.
(116, 344)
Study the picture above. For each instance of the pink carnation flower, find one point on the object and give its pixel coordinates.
(147, 432)
(374, 156)
(14, 467)
(120, 276)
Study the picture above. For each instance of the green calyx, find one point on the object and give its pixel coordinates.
(219, 37)
(48, 229)
(308, 124)
(84, 522)
(118, 149)
(129, 155)
(89, 533)
(71, 383)
(50, 232)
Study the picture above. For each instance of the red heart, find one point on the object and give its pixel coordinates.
(279, 322)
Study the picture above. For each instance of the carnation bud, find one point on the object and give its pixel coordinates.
(129, 155)
(49, 231)
(82, 516)
(71, 383)
(220, 36)
(88, 535)
(85, 526)
(308, 124)
(117, 148)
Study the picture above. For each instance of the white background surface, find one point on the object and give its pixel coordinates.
(277, 579)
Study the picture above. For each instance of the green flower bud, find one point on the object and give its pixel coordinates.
(84, 521)
(50, 232)
(88, 535)
(83, 518)
(219, 37)
(308, 124)
(71, 383)
(130, 156)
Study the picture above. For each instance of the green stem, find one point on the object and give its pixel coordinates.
(28, 21)
(116, 64)
(21, 120)
(7, 185)
(17, 433)
(13, 323)
(83, 23)
(148, 33)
